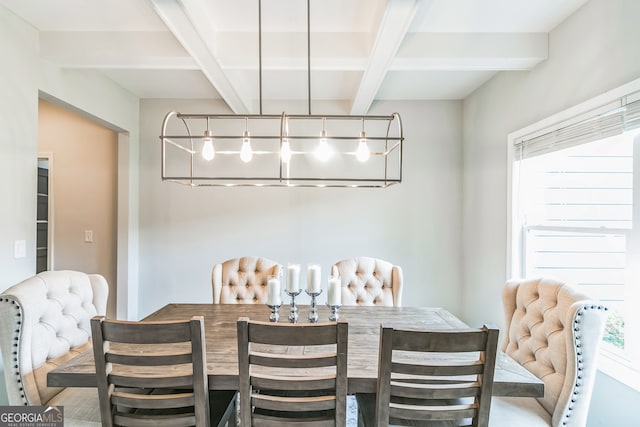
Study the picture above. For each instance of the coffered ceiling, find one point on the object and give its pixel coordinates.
(360, 50)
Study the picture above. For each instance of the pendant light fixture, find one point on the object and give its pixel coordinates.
(283, 156)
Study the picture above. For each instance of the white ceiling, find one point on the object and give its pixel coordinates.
(361, 50)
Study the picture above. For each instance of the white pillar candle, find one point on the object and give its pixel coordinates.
(313, 278)
(273, 291)
(293, 278)
(334, 293)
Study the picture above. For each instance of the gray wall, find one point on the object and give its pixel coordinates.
(22, 76)
(184, 231)
(593, 51)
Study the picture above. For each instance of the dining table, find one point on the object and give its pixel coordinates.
(510, 379)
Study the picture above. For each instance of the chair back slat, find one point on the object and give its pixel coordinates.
(433, 413)
(435, 391)
(151, 383)
(149, 360)
(152, 401)
(306, 334)
(270, 421)
(436, 376)
(295, 404)
(456, 368)
(170, 389)
(293, 383)
(293, 361)
(439, 340)
(292, 374)
(136, 420)
(146, 333)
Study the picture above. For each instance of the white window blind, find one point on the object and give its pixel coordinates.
(602, 122)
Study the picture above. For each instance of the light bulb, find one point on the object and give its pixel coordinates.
(362, 153)
(208, 152)
(245, 152)
(323, 151)
(286, 151)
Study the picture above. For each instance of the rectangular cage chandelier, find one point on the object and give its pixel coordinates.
(282, 150)
(286, 150)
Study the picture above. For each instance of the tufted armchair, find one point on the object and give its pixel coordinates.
(553, 331)
(369, 281)
(242, 280)
(45, 321)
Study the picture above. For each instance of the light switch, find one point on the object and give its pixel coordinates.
(20, 248)
(88, 236)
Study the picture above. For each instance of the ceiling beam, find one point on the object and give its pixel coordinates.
(115, 50)
(393, 28)
(184, 26)
(471, 51)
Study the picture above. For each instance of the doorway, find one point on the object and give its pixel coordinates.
(44, 215)
(83, 221)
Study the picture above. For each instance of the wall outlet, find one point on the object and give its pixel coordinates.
(20, 249)
(88, 236)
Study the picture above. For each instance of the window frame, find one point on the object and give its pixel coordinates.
(613, 364)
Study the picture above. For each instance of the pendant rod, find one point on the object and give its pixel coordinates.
(309, 56)
(260, 51)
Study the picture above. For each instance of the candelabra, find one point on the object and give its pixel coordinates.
(274, 316)
(313, 312)
(334, 315)
(293, 313)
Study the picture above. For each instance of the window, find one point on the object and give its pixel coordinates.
(574, 188)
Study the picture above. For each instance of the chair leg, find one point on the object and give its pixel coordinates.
(223, 408)
(366, 409)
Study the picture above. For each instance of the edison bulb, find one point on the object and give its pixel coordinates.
(285, 153)
(323, 152)
(362, 153)
(208, 152)
(246, 154)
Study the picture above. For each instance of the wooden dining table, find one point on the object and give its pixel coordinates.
(511, 379)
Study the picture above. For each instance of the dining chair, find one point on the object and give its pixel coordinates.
(292, 374)
(155, 374)
(369, 281)
(432, 378)
(553, 331)
(242, 280)
(44, 322)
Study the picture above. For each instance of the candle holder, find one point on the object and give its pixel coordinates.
(334, 315)
(274, 316)
(293, 313)
(313, 312)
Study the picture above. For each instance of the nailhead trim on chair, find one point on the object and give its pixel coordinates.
(578, 344)
(15, 366)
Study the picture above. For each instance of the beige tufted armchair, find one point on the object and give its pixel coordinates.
(242, 280)
(45, 321)
(553, 331)
(369, 281)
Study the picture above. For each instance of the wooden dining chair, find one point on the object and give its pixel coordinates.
(369, 281)
(292, 374)
(432, 378)
(155, 374)
(242, 280)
